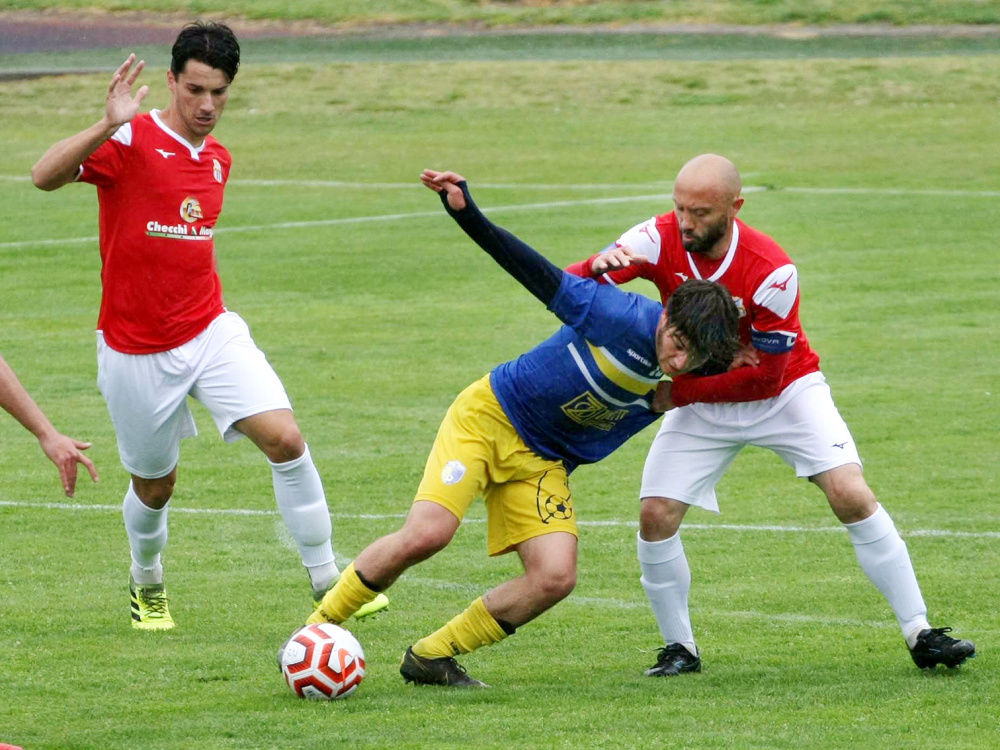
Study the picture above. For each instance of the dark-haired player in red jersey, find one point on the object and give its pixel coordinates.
(163, 331)
(778, 400)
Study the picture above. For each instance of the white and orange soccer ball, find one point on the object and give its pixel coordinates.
(322, 662)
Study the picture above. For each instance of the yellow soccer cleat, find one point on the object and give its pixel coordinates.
(149, 606)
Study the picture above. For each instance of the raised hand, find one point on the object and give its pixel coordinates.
(120, 106)
(445, 182)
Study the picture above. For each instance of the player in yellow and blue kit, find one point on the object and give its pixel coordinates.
(514, 436)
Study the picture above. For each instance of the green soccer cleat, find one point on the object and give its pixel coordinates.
(376, 605)
(149, 606)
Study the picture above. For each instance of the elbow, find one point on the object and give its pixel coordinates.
(41, 181)
(45, 180)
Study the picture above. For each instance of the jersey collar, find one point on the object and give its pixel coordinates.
(194, 150)
(726, 261)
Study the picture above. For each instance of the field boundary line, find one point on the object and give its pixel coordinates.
(517, 207)
(353, 185)
(595, 524)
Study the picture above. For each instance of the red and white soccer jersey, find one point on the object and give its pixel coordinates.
(756, 271)
(159, 200)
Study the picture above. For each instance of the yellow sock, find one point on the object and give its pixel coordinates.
(346, 597)
(472, 629)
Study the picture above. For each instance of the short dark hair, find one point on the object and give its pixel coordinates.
(705, 316)
(207, 42)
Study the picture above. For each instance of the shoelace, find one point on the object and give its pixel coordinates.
(156, 602)
(668, 651)
(457, 666)
(937, 635)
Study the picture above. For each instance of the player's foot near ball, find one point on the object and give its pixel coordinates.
(444, 671)
(673, 660)
(376, 606)
(934, 647)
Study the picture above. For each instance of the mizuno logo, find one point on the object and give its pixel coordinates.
(683, 277)
(840, 445)
(165, 154)
(783, 286)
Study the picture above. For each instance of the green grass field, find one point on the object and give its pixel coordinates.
(878, 174)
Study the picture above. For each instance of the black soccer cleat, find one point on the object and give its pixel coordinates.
(933, 647)
(443, 671)
(673, 660)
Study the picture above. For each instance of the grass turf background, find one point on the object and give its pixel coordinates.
(878, 175)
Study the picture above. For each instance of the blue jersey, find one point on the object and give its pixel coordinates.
(588, 388)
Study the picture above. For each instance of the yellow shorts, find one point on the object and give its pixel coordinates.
(478, 452)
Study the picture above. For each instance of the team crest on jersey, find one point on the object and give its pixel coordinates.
(191, 210)
(740, 307)
(588, 411)
(453, 472)
(553, 506)
(217, 170)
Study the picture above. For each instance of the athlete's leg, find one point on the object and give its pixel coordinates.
(146, 397)
(145, 512)
(298, 490)
(666, 577)
(549, 577)
(880, 550)
(427, 530)
(686, 460)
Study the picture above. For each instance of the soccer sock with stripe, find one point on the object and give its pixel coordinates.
(348, 596)
(472, 629)
(302, 503)
(886, 561)
(666, 578)
(147, 536)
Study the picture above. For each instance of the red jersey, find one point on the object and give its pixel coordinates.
(755, 270)
(159, 200)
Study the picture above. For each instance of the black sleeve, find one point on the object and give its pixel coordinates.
(535, 272)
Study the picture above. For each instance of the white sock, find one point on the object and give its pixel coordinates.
(147, 536)
(302, 502)
(666, 579)
(886, 561)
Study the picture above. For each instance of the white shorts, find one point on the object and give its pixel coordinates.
(147, 393)
(698, 442)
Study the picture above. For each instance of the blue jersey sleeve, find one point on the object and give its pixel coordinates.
(600, 313)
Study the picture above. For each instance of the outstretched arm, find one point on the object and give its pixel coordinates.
(535, 272)
(61, 163)
(64, 452)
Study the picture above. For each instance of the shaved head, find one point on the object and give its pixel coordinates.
(711, 173)
(706, 201)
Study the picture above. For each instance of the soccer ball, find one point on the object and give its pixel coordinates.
(322, 662)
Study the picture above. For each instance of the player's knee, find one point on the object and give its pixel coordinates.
(285, 444)
(555, 583)
(659, 518)
(155, 493)
(424, 540)
(849, 495)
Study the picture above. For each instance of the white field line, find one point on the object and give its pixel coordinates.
(755, 528)
(661, 197)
